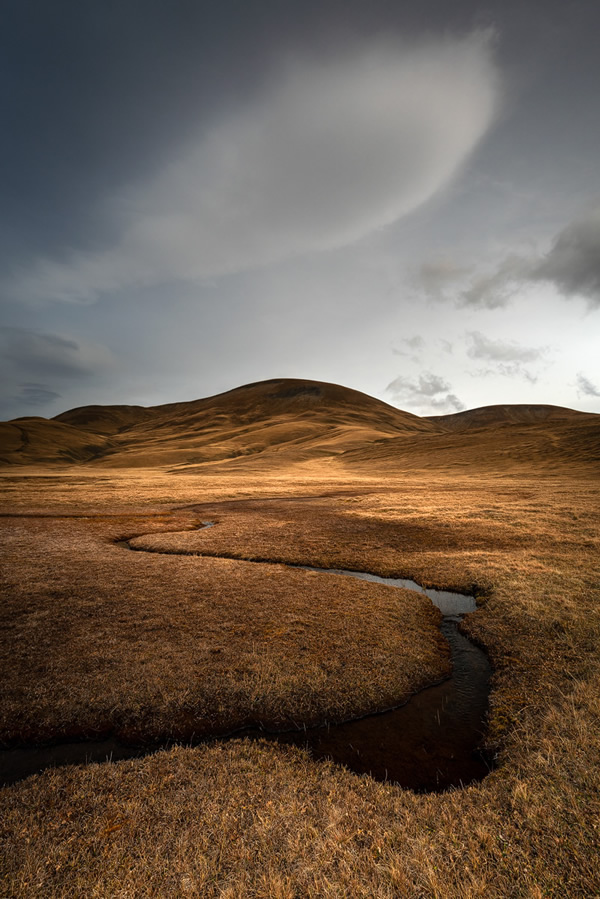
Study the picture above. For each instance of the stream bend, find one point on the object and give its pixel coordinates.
(431, 743)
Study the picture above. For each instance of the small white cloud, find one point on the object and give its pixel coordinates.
(410, 347)
(429, 393)
(482, 347)
(506, 370)
(585, 387)
(507, 357)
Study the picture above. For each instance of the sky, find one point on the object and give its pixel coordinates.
(403, 198)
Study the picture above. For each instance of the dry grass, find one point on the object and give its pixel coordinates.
(241, 819)
(97, 639)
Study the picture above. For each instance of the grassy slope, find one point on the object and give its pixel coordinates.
(283, 421)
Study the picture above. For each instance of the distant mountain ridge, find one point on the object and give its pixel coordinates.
(519, 413)
(288, 421)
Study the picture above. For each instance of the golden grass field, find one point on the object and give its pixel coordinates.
(187, 636)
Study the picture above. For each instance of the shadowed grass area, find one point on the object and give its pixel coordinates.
(248, 820)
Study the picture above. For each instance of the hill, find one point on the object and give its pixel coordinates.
(289, 421)
(501, 437)
(281, 420)
(516, 414)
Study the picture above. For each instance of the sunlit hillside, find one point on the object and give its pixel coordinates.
(283, 422)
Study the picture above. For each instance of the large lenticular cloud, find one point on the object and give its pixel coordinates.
(329, 152)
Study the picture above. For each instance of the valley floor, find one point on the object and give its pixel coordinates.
(187, 635)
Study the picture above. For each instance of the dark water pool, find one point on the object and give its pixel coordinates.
(431, 743)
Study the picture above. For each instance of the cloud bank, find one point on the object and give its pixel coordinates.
(328, 152)
(573, 263)
(33, 394)
(572, 266)
(33, 364)
(51, 355)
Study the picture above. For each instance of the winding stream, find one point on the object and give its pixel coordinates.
(429, 744)
(432, 742)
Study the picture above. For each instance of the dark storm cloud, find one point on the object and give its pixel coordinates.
(50, 355)
(572, 266)
(427, 393)
(37, 368)
(33, 394)
(585, 387)
(97, 96)
(94, 96)
(573, 263)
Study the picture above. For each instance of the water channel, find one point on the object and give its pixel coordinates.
(429, 744)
